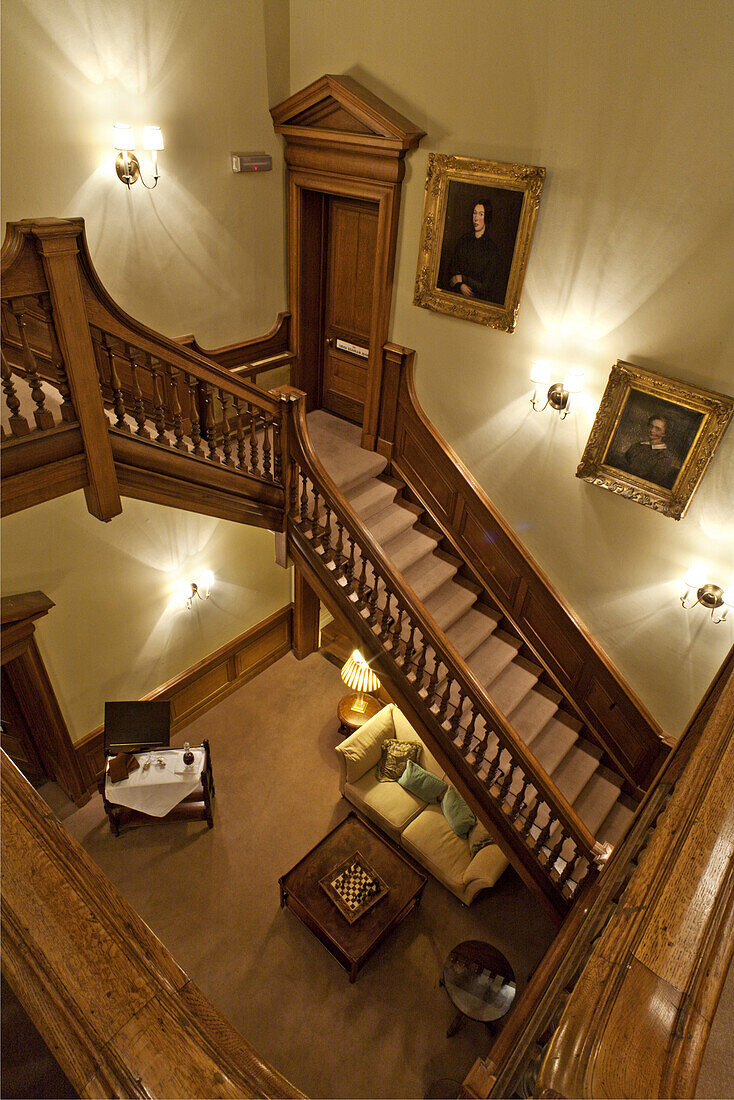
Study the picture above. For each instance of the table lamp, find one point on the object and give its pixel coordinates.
(358, 676)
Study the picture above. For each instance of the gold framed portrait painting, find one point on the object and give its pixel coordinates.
(478, 222)
(653, 438)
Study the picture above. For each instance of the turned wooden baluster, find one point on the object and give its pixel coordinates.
(226, 430)
(326, 534)
(178, 428)
(444, 701)
(18, 424)
(266, 448)
(210, 428)
(349, 572)
(492, 764)
(530, 813)
(277, 458)
(43, 416)
(372, 597)
(396, 634)
(193, 384)
(545, 832)
(571, 861)
(362, 582)
(68, 412)
(555, 853)
(159, 408)
(469, 732)
(118, 400)
(315, 517)
(339, 550)
(240, 435)
(519, 800)
(420, 667)
(409, 652)
(138, 403)
(254, 460)
(304, 501)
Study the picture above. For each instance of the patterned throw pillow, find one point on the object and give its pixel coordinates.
(478, 838)
(393, 758)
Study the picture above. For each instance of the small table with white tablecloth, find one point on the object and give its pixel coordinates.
(160, 785)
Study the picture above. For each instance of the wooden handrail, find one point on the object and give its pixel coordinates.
(643, 905)
(250, 357)
(112, 1005)
(427, 659)
(614, 716)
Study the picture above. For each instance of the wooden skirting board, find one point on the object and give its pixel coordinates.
(198, 688)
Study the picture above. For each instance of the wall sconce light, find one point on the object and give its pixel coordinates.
(201, 588)
(559, 394)
(127, 164)
(708, 595)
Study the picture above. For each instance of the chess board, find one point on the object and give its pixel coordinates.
(354, 886)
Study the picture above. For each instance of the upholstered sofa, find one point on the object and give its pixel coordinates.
(417, 826)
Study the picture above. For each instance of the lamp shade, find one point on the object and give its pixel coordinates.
(123, 137)
(695, 577)
(152, 138)
(358, 675)
(574, 380)
(540, 372)
(728, 596)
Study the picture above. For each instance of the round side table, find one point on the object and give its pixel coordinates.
(480, 983)
(351, 713)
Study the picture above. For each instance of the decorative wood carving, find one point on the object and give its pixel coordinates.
(340, 140)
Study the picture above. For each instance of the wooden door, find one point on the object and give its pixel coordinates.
(350, 277)
(15, 735)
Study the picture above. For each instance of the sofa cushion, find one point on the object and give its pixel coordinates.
(361, 750)
(405, 732)
(394, 755)
(388, 804)
(432, 841)
(459, 816)
(421, 783)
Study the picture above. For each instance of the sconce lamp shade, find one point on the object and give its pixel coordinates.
(728, 596)
(152, 138)
(540, 372)
(358, 675)
(574, 380)
(695, 577)
(123, 137)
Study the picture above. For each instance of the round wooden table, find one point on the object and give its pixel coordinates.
(354, 710)
(480, 983)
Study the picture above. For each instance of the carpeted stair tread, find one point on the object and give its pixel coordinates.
(389, 522)
(472, 629)
(428, 574)
(595, 801)
(512, 685)
(337, 443)
(616, 824)
(493, 656)
(371, 496)
(534, 712)
(409, 547)
(553, 742)
(575, 771)
(449, 603)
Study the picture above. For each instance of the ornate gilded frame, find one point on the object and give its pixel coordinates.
(494, 177)
(706, 415)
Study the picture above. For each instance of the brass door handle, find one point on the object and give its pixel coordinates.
(330, 341)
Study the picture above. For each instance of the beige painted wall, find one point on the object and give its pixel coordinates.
(628, 107)
(120, 626)
(204, 251)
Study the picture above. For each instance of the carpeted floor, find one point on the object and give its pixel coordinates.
(212, 898)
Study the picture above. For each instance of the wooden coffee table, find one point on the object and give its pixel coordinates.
(351, 944)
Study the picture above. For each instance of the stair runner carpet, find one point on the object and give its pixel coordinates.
(481, 634)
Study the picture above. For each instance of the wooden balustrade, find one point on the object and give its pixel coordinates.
(486, 755)
(613, 715)
(250, 358)
(636, 940)
(112, 1005)
(91, 371)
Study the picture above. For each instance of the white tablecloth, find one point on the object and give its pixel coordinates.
(156, 790)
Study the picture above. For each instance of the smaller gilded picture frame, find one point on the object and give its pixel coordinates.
(478, 223)
(653, 438)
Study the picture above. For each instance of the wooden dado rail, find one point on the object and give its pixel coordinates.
(114, 1008)
(484, 755)
(623, 1001)
(612, 713)
(118, 407)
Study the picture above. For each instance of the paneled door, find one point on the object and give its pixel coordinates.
(350, 274)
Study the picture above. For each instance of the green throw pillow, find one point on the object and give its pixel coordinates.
(393, 758)
(457, 813)
(424, 785)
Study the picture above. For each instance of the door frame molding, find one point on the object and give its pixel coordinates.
(343, 141)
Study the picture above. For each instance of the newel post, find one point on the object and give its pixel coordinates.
(58, 245)
(395, 361)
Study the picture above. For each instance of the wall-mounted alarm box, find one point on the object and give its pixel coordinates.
(251, 162)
